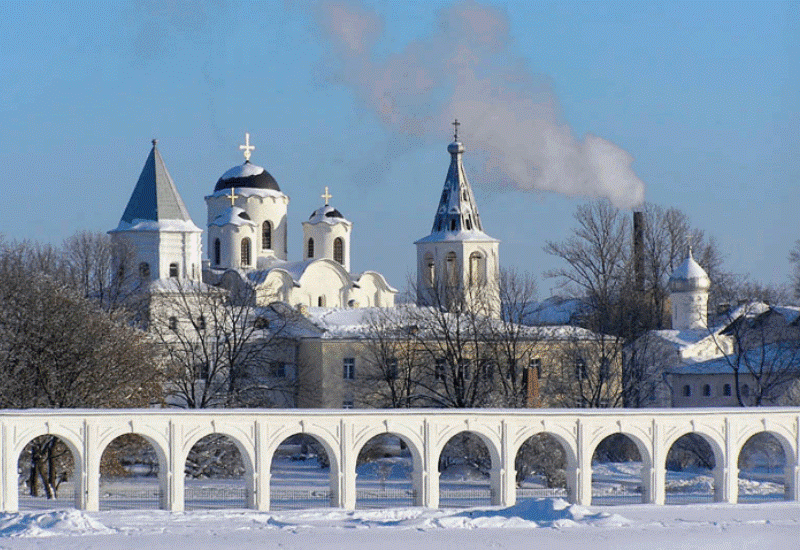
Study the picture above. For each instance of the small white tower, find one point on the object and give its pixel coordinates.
(326, 234)
(158, 226)
(246, 218)
(688, 287)
(458, 263)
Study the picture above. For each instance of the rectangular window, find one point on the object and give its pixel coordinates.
(581, 372)
(277, 369)
(440, 373)
(391, 368)
(347, 404)
(349, 368)
(464, 369)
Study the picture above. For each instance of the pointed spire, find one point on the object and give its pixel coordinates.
(457, 209)
(155, 197)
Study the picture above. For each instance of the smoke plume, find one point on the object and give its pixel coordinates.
(468, 69)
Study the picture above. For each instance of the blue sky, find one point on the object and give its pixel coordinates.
(692, 104)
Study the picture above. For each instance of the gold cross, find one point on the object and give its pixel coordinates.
(232, 197)
(326, 196)
(455, 124)
(247, 147)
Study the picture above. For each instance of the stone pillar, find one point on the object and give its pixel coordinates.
(9, 472)
(726, 473)
(582, 476)
(173, 481)
(90, 475)
(503, 475)
(259, 497)
(347, 469)
(654, 476)
(792, 482)
(429, 476)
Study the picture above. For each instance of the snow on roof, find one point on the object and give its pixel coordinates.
(242, 171)
(777, 356)
(233, 216)
(137, 224)
(556, 310)
(246, 192)
(361, 322)
(327, 214)
(463, 235)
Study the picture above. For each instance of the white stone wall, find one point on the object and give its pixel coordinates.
(258, 433)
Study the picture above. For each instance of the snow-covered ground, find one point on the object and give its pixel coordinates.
(536, 523)
(533, 522)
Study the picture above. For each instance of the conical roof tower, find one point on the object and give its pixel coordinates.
(457, 262)
(156, 223)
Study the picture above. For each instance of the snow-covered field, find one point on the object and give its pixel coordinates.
(532, 523)
(536, 523)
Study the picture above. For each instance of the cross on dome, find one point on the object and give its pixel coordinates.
(247, 148)
(327, 196)
(232, 197)
(455, 124)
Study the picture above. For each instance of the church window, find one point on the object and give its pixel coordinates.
(347, 404)
(464, 370)
(338, 250)
(173, 270)
(745, 391)
(452, 275)
(266, 236)
(246, 251)
(687, 391)
(452, 225)
(349, 368)
(706, 390)
(201, 323)
(726, 390)
(476, 274)
(430, 270)
(217, 252)
(173, 323)
(468, 224)
(144, 270)
(321, 301)
(310, 251)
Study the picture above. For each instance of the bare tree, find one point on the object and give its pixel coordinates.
(59, 349)
(221, 352)
(100, 268)
(765, 357)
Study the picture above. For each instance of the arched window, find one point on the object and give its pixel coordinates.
(246, 251)
(144, 270)
(687, 391)
(476, 269)
(321, 301)
(310, 251)
(266, 236)
(217, 252)
(338, 250)
(706, 390)
(726, 390)
(452, 269)
(173, 270)
(430, 270)
(745, 391)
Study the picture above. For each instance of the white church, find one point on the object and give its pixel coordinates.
(248, 238)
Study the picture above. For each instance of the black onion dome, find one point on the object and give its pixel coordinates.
(247, 175)
(325, 212)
